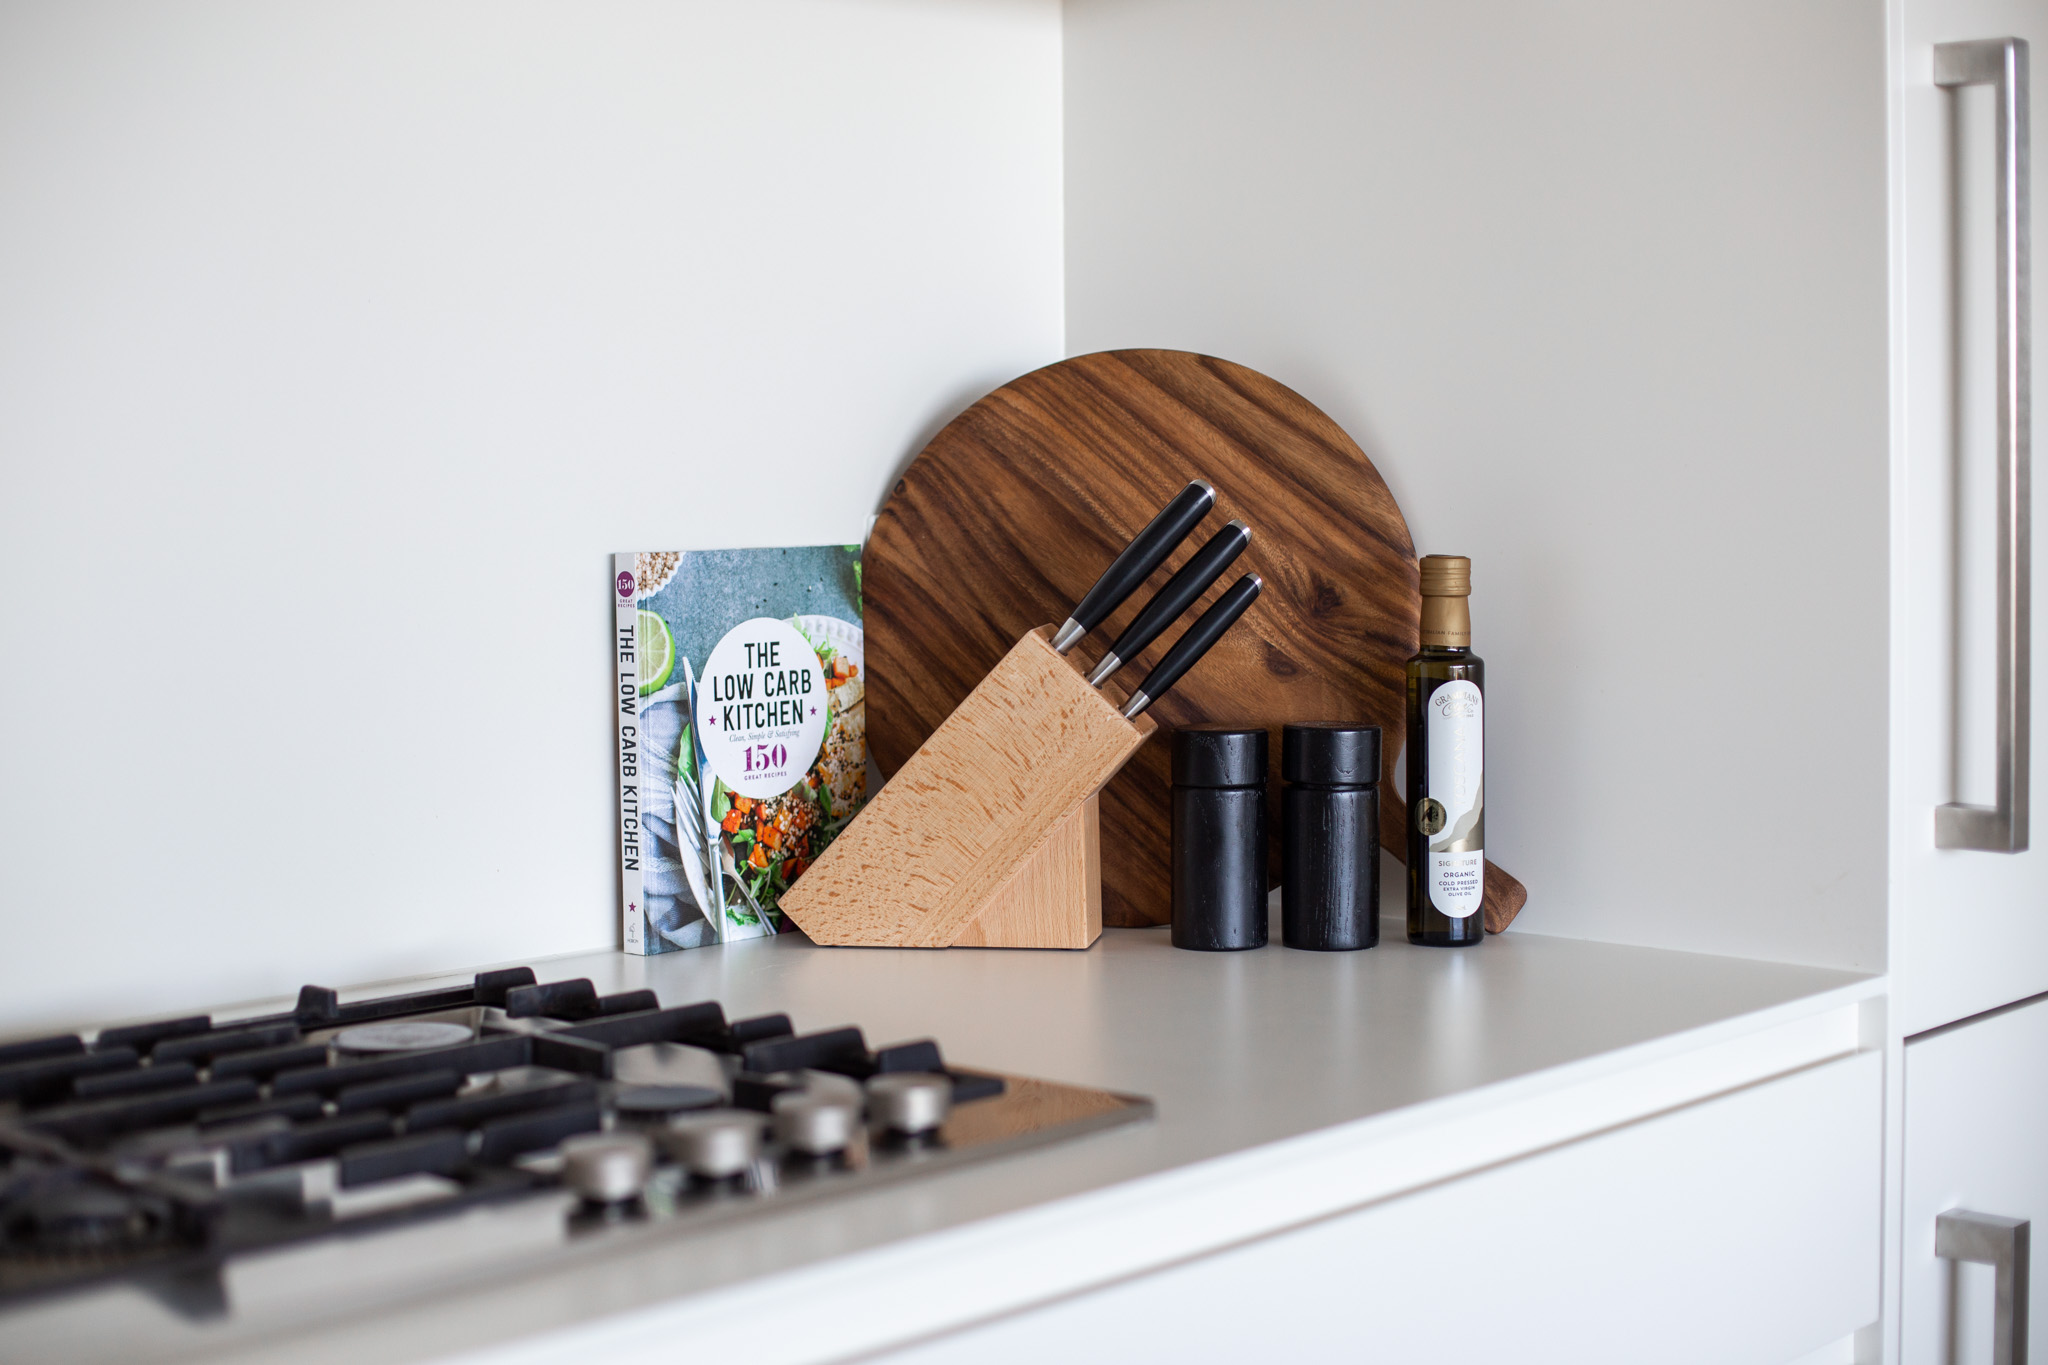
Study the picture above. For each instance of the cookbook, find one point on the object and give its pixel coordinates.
(740, 700)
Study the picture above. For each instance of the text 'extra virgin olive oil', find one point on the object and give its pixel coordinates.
(1446, 764)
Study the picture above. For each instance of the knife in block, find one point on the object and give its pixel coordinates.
(987, 835)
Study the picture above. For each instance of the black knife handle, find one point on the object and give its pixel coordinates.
(1194, 643)
(1146, 552)
(1182, 591)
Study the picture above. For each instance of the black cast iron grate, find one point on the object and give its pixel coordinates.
(153, 1153)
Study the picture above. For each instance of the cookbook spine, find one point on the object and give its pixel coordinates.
(626, 708)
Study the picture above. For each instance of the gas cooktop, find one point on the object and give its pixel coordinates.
(168, 1155)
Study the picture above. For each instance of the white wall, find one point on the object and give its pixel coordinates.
(340, 343)
(1600, 286)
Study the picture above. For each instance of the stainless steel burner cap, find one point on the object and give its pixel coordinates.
(606, 1168)
(403, 1035)
(663, 1099)
(715, 1146)
(815, 1125)
(910, 1101)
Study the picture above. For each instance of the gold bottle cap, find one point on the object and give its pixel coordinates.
(1446, 576)
(1446, 612)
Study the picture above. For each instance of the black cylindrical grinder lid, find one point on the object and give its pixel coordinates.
(1331, 754)
(1219, 756)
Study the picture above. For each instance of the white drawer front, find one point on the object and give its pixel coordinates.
(1740, 1229)
(1976, 1139)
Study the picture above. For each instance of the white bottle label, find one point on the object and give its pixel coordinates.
(1455, 811)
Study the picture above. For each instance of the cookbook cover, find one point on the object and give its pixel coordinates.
(742, 733)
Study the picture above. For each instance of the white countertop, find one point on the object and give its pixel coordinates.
(1264, 1065)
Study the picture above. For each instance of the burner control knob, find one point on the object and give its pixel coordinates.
(816, 1125)
(713, 1146)
(607, 1168)
(910, 1102)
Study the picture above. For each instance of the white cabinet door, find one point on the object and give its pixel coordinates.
(1977, 1140)
(1741, 1229)
(1971, 931)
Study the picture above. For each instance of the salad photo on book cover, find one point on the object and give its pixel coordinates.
(742, 730)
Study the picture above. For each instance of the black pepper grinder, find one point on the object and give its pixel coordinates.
(1219, 839)
(1330, 837)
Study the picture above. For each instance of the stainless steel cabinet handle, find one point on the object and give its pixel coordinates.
(2002, 63)
(1987, 1239)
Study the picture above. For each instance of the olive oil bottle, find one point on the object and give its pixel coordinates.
(1446, 763)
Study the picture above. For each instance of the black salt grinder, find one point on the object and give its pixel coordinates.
(1219, 839)
(1330, 837)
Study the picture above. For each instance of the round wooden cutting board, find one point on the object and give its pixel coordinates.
(1020, 503)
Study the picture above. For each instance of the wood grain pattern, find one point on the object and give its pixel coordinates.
(1502, 899)
(1017, 506)
(986, 791)
(1055, 899)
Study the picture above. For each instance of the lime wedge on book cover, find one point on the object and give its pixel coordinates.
(657, 653)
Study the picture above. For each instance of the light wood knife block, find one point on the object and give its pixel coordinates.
(989, 835)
